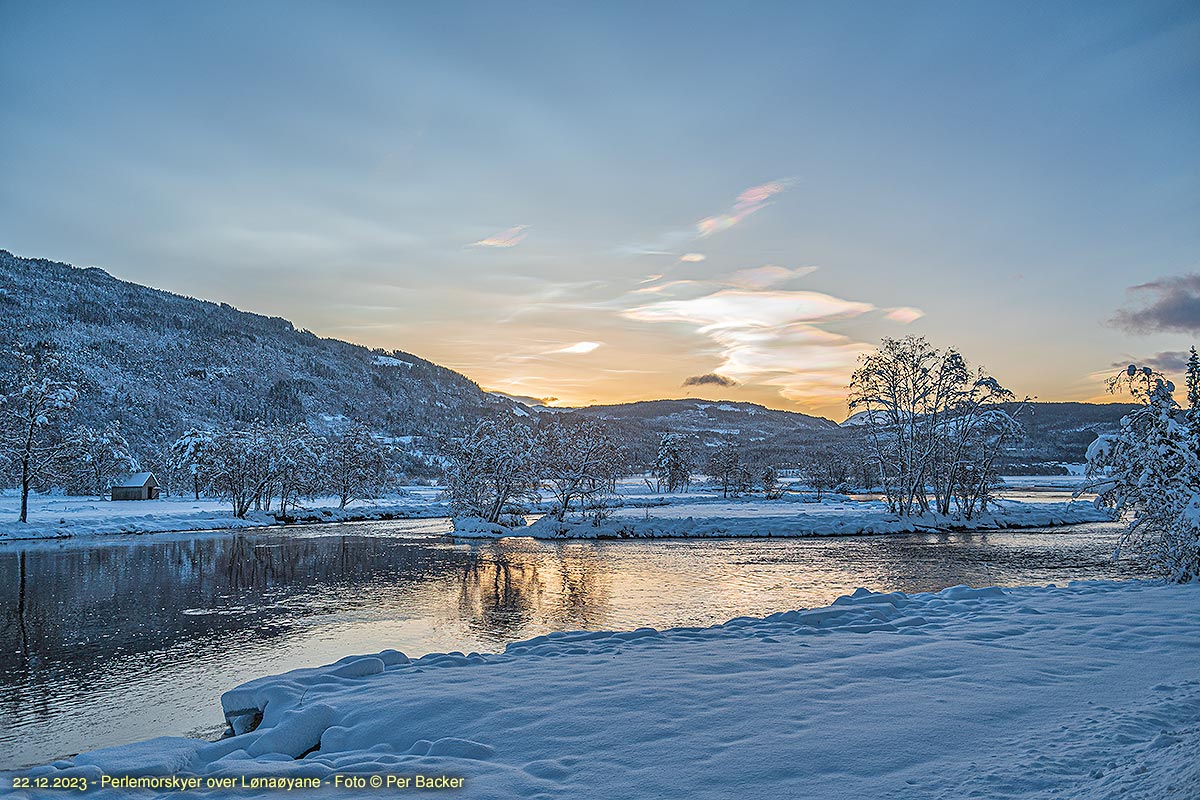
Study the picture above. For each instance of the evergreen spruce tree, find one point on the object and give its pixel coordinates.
(1193, 388)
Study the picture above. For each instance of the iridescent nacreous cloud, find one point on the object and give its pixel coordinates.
(749, 201)
(772, 336)
(507, 238)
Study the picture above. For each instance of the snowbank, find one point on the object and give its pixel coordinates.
(1089, 691)
(636, 510)
(57, 517)
(711, 518)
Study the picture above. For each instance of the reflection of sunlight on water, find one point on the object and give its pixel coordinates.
(126, 638)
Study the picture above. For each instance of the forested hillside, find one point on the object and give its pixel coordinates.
(159, 362)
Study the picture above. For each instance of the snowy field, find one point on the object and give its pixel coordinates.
(1090, 691)
(58, 516)
(637, 512)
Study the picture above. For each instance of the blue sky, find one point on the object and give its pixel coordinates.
(495, 186)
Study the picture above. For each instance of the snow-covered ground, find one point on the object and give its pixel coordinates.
(748, 518)
(1089, 691)
(1046, 482)
(58, 516)
(638, 511)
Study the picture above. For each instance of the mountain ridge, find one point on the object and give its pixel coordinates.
(159, 362)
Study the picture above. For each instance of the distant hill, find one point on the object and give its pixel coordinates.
(160, 362)
(1061, 432)
(710, 421)
(1053, 433)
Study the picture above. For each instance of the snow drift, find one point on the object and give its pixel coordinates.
(1089, 691)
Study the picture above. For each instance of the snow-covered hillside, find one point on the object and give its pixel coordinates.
(159, 362)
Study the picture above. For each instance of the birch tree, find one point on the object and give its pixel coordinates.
(101, 455)
(355, 464)
(675, 461)
(579, 461)
(936, 426)
(34, 409)
(493, 465)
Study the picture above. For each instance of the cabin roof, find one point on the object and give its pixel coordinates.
(135, 481)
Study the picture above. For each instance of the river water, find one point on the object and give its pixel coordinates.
(115, 639)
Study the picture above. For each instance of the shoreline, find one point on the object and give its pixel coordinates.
(909, 526)
(838, 684)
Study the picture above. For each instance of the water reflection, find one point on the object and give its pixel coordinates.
(125, 638)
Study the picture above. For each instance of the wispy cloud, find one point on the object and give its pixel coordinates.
(753, 278)
(1173, 305)
(507, 238)
(768, 275)
(748, 202)
(732, 308)
(671, 243)
(578, 347)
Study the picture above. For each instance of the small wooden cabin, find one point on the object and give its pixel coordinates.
(139, 486)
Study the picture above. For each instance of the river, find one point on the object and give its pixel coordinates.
(115, 639)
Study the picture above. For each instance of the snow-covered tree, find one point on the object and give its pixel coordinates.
(936, 425)
(1193, 388)
(1149, 471)
(579, 461)
(769, 479)
(492, 466)
(824, 468)
(243, 465)
(726, 466)
(35, 403)
(99, 456)
(675, 461)
(355, 464)
(194, 452)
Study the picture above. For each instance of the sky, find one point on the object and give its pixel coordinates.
(606, 202)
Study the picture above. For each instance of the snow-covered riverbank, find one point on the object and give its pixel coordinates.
(59, 517)
(713, 518)
(1089, 691)
(635, 512)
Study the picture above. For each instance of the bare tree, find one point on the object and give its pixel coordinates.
(824, 468)
(194, 452)
(495, 464)
(355, 463)
(579, 461)
(100, 455)
(936, 426)
(39, 398)
(675, 461)
(726, 467)
(243, 466)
